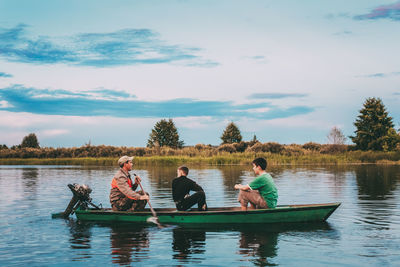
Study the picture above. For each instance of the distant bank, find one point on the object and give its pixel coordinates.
(223, 158)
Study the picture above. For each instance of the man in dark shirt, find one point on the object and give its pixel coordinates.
(181, 187)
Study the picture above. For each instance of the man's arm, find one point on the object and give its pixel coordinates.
(195, 187)
(174, 191)
(242, 187)
(124, 187)
(136, 182)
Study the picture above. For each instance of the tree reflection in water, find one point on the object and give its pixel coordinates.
(376, 196)
(376, 182)
(30, 181)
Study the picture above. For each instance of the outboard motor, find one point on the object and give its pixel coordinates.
(81, 198)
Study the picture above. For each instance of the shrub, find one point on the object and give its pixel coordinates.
(293, 150)
(332, 149)
(273, 147)
(257, 147)
(201, 147)
(227, 148)
(140, 151)
(241, 146)
(312, 146)
(3, 147)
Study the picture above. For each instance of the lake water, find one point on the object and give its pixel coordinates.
(363, 231)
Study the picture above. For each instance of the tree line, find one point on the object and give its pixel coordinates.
(374, 131)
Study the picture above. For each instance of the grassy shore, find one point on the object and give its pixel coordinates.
(351, 157)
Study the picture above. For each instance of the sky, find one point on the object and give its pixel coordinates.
(104, 72)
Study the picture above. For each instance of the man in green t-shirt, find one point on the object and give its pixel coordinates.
(261, 193)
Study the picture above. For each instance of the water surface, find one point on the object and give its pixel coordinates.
(364, 231)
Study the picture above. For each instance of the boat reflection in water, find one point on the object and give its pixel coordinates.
(256, 243)
(188, 244)
(259, 244)
(129, 243)
(80, 238)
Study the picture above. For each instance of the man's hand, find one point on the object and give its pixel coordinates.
(145, 197)
(242, 187)
(137, 179)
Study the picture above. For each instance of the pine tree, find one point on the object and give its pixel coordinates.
(30, 141)
(164, 133)
(231, 134)
(374, 128)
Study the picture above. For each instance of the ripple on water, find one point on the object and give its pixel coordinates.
(364, 230)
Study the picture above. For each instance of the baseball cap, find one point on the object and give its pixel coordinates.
(124, 159)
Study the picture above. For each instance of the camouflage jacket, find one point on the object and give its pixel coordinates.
(122, 186)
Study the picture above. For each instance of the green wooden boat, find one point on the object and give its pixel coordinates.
(229, 215)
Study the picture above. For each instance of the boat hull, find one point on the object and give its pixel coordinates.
(281, 214)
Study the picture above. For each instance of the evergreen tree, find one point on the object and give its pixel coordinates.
(255, 140)
(374, 128)
(30, 141)
(164, 133)
(231, 134)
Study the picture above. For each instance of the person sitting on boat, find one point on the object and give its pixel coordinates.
(123, 195)
(261, 193)
(181, 187)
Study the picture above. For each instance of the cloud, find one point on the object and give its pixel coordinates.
(333, 16)
(258, 59)
(4, 104)
(107, 93)
(61, 102)
(380, 75)
(376, 75)
(119, 48)
(343, 33)
(274, 95)
(54, 132)
(391, 11)
(5, 75)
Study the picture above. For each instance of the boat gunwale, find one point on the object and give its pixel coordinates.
(213, 211)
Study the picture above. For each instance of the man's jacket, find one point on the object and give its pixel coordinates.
(122, 186)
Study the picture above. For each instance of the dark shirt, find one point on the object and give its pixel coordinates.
(181, 186)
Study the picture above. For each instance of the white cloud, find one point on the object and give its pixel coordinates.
(194, 122)
(53, 132)
(5, 104)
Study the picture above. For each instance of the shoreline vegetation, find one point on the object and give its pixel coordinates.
(375, 142)
(228, 154)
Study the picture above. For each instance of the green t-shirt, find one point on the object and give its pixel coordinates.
(266, 186)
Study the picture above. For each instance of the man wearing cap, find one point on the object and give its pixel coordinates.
(123, 195)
